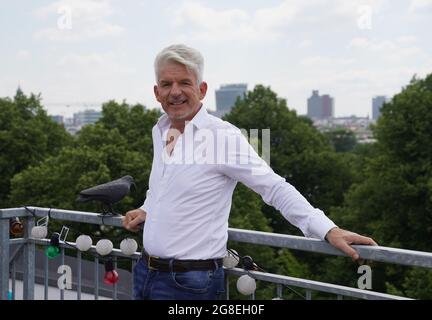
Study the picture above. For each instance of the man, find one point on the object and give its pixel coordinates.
(191, 185)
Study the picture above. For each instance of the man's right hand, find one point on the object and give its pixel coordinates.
(133, 219)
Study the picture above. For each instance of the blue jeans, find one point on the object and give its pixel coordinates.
(152, 284)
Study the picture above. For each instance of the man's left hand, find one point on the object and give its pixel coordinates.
(342, 239)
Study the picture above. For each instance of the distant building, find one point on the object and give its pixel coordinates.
(227, 95)
(86, 117)
(320, 107)
(58, 119)
(360, 126)
(377, 103)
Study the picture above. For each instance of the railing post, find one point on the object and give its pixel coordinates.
(4, 253)
(227, 286)
(279, 291)
(62, 262)
(78, 274)
(29, 261)
(96, 278)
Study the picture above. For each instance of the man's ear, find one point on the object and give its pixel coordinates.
(203, 89)
(156, 92)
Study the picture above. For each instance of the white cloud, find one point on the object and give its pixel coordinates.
(409, 39)
(320, 61)
(266, 24)
(92, 63)
(420, 5)
(212, 24)
(400, 50)
(262, 25)
(77, 20)
(23, 55)
(305, 44)
(371, 45)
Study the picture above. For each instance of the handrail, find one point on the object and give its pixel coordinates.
(376, 253)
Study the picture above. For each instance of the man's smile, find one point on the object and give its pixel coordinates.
(178, 103)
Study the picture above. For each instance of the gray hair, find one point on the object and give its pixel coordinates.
(179, 53)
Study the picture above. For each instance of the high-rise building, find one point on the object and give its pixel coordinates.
(58, 119)
(226, 96)
(320, 107)
(86, 117)
(377, 103)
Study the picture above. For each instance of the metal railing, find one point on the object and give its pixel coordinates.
(27, 246)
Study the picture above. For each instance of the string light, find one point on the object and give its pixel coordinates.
(231, 260)
(83, 242)
(16, 227)
(53, 250)
(40, 231)
(246, 285)
(104, 247)
(111, 276)
(128, 246)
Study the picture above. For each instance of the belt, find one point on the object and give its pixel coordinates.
(156, 263)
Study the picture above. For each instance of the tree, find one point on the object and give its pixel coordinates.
(343, 140)
(119, 144)
(306, 159)
(393, 203)
(299, 152)
(27, 137)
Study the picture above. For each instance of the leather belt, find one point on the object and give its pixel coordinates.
(156, 263)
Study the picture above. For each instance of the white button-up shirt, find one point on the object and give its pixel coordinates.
(190, 192)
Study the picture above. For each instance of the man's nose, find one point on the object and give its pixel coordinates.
(175, 90)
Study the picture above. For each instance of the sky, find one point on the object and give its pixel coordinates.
(81, 53)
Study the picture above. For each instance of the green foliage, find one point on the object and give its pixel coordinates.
(304, 157)
(418, 283)
(343, 140)
(27, 137)
(383, 190)
(299, 152)
(397, 194)
(119, 144)
(393, 202)
(106, 151)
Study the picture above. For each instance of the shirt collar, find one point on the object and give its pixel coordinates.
(199, 120)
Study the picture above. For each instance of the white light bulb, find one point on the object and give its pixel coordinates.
(104, 247)
(39, 232)
(128, 246)
(84, 242)
(246, 285)
(231, 260)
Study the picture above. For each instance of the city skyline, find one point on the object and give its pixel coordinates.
(69, 110)
(89, 52)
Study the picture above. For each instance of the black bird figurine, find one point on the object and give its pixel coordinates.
(108, 193)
